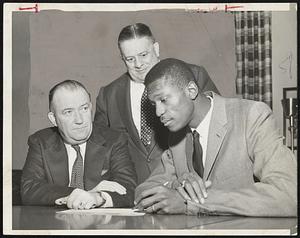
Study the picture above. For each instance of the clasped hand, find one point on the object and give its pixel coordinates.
(161, 200)
(81, 199)
(191, 187)
(164, 200)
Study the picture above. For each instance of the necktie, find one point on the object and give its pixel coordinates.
(147, 119)
(77, 170)
(197, 155)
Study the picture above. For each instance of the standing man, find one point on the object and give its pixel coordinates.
(73, 164)
(123, 104)
(238, 164)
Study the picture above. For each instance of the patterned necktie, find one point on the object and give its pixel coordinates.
(77, 170)
(197, 155)
(147, 119)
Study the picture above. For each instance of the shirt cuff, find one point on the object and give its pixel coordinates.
(108, 200)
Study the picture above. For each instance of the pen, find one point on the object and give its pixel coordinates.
(137, 210)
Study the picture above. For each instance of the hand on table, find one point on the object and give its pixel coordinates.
(160, 200)
(110, 186)
(80, 199)
(192, 187)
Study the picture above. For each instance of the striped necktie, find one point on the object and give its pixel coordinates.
(77, 170)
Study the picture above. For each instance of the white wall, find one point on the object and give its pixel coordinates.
(56, 45)
(284, 57)
(83, 46)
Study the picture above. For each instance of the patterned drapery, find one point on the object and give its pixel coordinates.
(253, 54)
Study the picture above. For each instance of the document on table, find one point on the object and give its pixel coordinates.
(105, 211)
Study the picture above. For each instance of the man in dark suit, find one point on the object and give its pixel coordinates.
(73, 164)
(120, 104)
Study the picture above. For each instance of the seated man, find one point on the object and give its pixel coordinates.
(71, 163)
(239, 164)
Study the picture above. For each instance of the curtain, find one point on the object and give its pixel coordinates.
(253, 54)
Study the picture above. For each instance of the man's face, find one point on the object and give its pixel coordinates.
(72, 114)
(173, 105)
(139, 55)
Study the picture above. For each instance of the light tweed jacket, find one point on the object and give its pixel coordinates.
(251, 171)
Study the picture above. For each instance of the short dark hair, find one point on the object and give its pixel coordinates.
(173, 71)
(137, 30)
(68, 84)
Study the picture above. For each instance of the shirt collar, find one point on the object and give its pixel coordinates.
(203, 124)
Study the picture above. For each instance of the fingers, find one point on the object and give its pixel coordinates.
(151, 196)
(200, 184)
(119, 189)
(146, 203)
(191, 192)
(183, 193)
(195, 188)
(208, 183)
(111, 186)
(89, 205)
(156, 207)
(74, 194)
(151, 209)
(84, 204)
(80, 199)
(61, 201)
(145, 194)
(197, 184)
(202, 193)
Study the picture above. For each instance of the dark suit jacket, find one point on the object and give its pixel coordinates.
(46, 177)
(113, 109)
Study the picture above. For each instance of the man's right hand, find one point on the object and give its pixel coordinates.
(80, 199)
(191, 187)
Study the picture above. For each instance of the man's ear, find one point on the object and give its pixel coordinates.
(91, 107)
(51, 118)
(156, 48)
(122, 57)
(192, 90)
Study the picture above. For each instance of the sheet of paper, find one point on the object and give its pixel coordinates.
(105, 211)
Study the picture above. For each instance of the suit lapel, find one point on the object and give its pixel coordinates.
(217, 132)
(179, 142)
(125, 111)
(95, 155)
(57, 159)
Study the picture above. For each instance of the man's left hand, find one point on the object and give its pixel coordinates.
(110, 186)
(160, 200)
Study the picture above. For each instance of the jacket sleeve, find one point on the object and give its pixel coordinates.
(36, 189)
(163, 174)
(122, 171)
(275, 167)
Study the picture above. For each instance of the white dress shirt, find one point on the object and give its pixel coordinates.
(136, 92)
(203, 129)
(72, 154)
